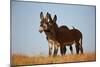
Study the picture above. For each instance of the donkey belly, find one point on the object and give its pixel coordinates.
(65, 38)
(68, 43)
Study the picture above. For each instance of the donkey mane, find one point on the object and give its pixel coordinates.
(64, 27)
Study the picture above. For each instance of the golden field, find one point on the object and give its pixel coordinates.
(25, 60)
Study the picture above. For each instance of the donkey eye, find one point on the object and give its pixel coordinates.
(49, 23)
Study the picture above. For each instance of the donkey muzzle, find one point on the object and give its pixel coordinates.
(40, 29)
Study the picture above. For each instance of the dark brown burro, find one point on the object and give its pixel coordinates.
(65, 36)
(62, 36)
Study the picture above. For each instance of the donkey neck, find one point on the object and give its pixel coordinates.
(55, 29)
(49, 35)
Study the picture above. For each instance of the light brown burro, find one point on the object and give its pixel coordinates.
(44, 26)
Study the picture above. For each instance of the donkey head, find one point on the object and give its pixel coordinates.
(44, 25)
(52, 23)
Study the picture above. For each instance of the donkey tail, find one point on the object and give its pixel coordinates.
(81, 45)
(73, 27)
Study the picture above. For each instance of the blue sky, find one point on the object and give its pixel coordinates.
(26, 38)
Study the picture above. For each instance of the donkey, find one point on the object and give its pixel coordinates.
(63, 36)
(64, 49)
(78, 39)
(77, 35)
(44, 26)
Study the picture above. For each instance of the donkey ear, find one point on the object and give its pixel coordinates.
(49, 16)
(41, 15)
(55, 18)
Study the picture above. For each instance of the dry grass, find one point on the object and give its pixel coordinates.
(24, 60)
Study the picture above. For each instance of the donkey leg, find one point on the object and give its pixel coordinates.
(65, 50)
(50, 47)
(55, 51)
(81, 48)
(56, 46)
(77, 48)
(62, 50)
(50, 51)
(71, 49)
